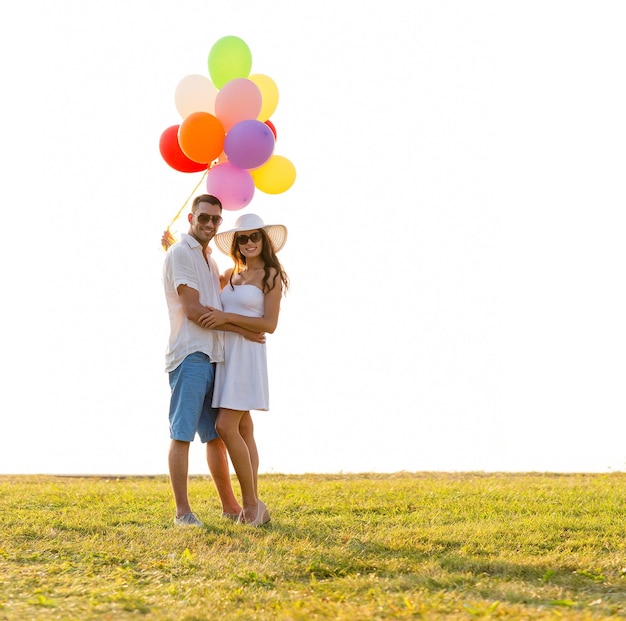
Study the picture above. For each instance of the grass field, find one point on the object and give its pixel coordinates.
(345, 547)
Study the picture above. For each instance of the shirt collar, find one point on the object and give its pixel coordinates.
(192, 242)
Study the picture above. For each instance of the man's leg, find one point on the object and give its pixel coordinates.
(217, 460)
(178, 460)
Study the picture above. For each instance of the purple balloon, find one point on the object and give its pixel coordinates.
(232, 185)
(249, 144)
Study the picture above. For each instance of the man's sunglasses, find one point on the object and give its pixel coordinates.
(253, 237)
(205, 218)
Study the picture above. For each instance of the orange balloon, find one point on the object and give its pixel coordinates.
(201, 137)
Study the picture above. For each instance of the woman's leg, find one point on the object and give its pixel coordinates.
(246, 429)
(217, 459)
(227, 426)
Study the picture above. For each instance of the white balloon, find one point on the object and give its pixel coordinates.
(195, 93)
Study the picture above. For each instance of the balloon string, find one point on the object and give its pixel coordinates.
(168, 239)
(185, 203)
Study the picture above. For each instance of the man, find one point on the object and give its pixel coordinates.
(191, 281)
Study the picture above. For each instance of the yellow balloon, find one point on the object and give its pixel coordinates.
(277, 175)
(269, 93)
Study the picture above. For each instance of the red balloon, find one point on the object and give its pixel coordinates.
(271, 126)
(173, 155)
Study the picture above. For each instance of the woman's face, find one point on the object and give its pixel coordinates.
(250, 243)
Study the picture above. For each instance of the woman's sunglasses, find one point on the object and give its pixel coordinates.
(253, 237)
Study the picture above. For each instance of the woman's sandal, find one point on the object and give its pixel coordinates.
(262, 516)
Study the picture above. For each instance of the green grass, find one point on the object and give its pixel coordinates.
(344, 547)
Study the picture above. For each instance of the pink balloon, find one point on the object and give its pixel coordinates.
(232, 185)
(238, 100)
(249, 144)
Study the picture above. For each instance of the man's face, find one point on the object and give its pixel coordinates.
(202, 226)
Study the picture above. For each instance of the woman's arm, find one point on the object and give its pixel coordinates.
(217, 319)
(190, 300)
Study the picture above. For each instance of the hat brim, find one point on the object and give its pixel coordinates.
(277, 234)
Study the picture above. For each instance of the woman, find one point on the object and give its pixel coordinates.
(251, 294)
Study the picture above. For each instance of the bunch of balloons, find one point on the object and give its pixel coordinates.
(226, 129)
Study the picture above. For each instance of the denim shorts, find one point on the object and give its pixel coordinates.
(190, 404)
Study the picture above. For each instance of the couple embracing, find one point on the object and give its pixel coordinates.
(216, 357)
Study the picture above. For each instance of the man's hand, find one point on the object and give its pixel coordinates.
(213, 319)
(167, 240)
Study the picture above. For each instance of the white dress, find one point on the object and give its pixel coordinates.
(241, 380)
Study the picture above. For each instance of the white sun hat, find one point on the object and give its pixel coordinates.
(251, 222)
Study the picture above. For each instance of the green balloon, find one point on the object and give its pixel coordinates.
(229, 58)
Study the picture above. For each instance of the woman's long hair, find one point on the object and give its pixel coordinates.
(270, 259)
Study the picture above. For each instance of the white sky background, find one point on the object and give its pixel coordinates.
(456, 232)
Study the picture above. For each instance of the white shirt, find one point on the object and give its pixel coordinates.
(185, 265)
